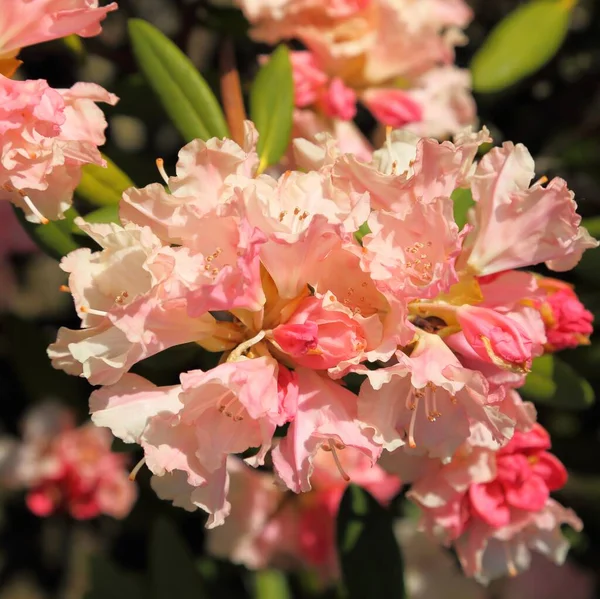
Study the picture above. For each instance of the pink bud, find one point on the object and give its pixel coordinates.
(340, 101)
(496, 338)
(309, 79)
(392, 107)
(297, 339)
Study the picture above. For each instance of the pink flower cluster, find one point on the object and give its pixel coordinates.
(395, 57)
(344, 268)
(66, 468)
(46, 134)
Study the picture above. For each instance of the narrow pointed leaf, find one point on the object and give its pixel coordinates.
(368, 551)
(555, 383)
(103, 186)
(521, 43)
(183, 92)
(54, 238)
(272, 106)
(173, 572)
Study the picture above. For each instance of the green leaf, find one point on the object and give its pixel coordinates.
(106, 214)
(520, 44)
(555, 383)
(592, 225)
(271, 584)
(183, 92)
(272, 107)
(173, 572)
(103, 186)
(110, 582)
(368, 551)
(55, 238)
(463, 201)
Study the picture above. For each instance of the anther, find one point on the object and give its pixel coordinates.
(64, 289)
(160, 165)
(87, 310)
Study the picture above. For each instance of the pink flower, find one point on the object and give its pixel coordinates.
(67, 468)
(517, 225)
(428, 401)
(494, 507)
(326, 419)
(47, 136)
(339, 101)
(26, 23)
(568, 323)
(309, 79)
(392, 107)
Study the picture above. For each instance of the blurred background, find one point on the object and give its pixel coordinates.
(555, 113)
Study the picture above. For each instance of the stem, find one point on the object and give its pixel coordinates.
(231, 92)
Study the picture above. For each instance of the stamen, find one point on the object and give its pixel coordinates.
(336, 459)
(160, 165)
(411, 427)
(136, 469)
(64, 289)
(87, 310)
(236, 354)
(33, 209)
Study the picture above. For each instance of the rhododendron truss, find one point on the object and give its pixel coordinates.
(395, 57)
(46, 136)
(271, 272)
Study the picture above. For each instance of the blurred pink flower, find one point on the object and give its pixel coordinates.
(29, 22)
(63, 467)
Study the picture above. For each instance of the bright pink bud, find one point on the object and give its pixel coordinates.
(568, 323)
(309, 79)
(340, 101)
(496, 338)
(297, 339)
(392, 107)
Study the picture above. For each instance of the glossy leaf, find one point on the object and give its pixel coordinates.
(54, 238)
(106, 214)
(173, 572)
(369, 554)
(555, 383)
(103, 186)
(183, 92)
(272, 107)
(521, 43)
(463, 201)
